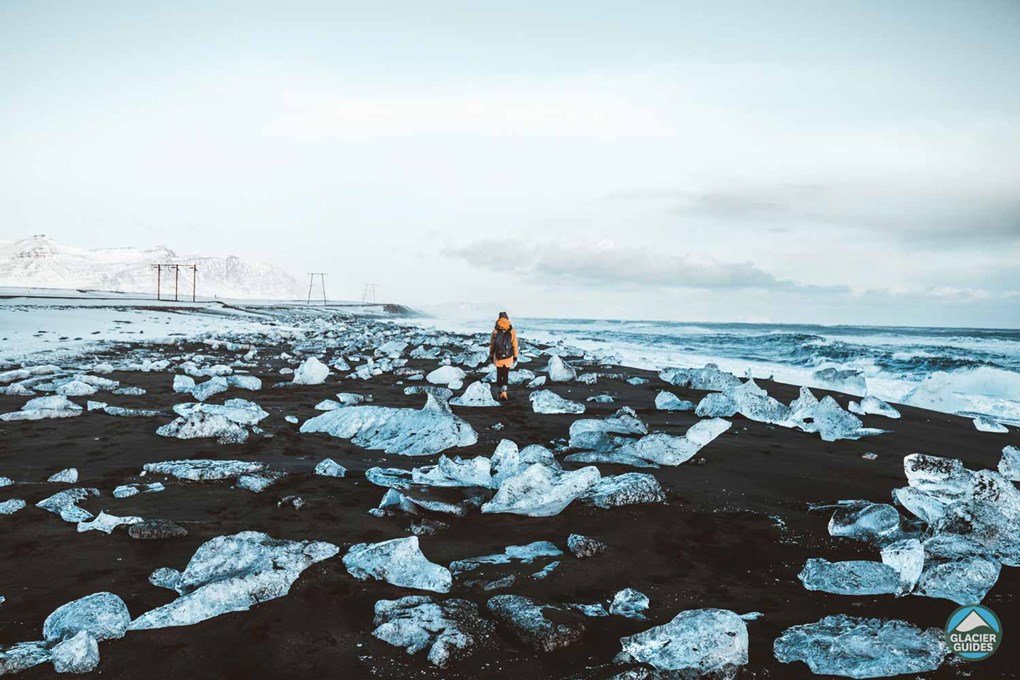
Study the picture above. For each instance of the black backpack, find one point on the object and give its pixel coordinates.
(503, 347)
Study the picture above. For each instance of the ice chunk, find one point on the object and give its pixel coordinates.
(921, 504)
(455, 472)
(78, 654)
(864, 520)
(545, 571)
(537, 382)
(873, 406)
(597, 433)
(526, 619)
(629, 603)
(232, 574)
(76, 388)
(862, 648)
(245, 382)
(398, 561)
(11, 506)
(202, 470)
(964, 581)
(65, 476)
(986, 424)
(477, 395)
(695, 643)
(508, 461)
(352, 399)
(906, 556)
(6, 481)
(447, 629)
(106, 523)
(65, 504)
(403, 431)
(843, 380)
(23, 656)
(203, 425)
(240, 411)
(128, 490)
(803, 405)
(749, 400)
(667, 401)
(209, 388)
(444, 375)
(945, 478)
(853, 577)
(259, 482)
(392, 349)
(707, 378)
(583, 546)
(102, 615)
(831, 422)
(559, 370)
(943, 547)
(129, 412)
(546, 401)
(183, 384)
(540, 491)
(311, 372)
(1009, 466)
(525, 554)
(632, 488)
(40, 408)
(716, 405)
(659, 448)
(330, 468)
(588, 378)
(129, 391)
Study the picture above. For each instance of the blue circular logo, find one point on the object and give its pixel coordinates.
(973, 632)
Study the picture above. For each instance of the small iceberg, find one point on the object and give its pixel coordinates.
(695, 643)
(400, 562)
(547, 401)
(403, 431)
(862, 648)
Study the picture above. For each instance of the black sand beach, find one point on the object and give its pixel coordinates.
(734, 533)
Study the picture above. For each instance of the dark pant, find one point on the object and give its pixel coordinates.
(502, 377)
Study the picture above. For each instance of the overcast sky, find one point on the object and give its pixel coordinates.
(827, 162)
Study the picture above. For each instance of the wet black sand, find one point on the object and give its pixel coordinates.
(734, 534)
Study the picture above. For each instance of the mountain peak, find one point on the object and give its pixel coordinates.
(39, 261)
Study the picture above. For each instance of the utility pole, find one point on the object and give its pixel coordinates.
(177, 279)
(311, 282)
(368, 297)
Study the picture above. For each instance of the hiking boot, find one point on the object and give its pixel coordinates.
(502, 396)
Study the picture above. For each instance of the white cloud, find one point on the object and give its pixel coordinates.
(607, 263)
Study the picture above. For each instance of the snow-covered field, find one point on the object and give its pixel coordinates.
(46, 324)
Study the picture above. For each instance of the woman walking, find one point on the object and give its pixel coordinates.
(503, 352)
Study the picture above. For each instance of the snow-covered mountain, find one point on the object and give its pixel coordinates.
(40, 261)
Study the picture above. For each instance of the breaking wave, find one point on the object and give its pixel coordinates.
(946, 369)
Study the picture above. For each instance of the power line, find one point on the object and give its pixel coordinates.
(177, 279)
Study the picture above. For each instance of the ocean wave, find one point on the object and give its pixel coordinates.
(946, 369)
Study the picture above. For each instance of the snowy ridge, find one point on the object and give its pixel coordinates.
(40, 261)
